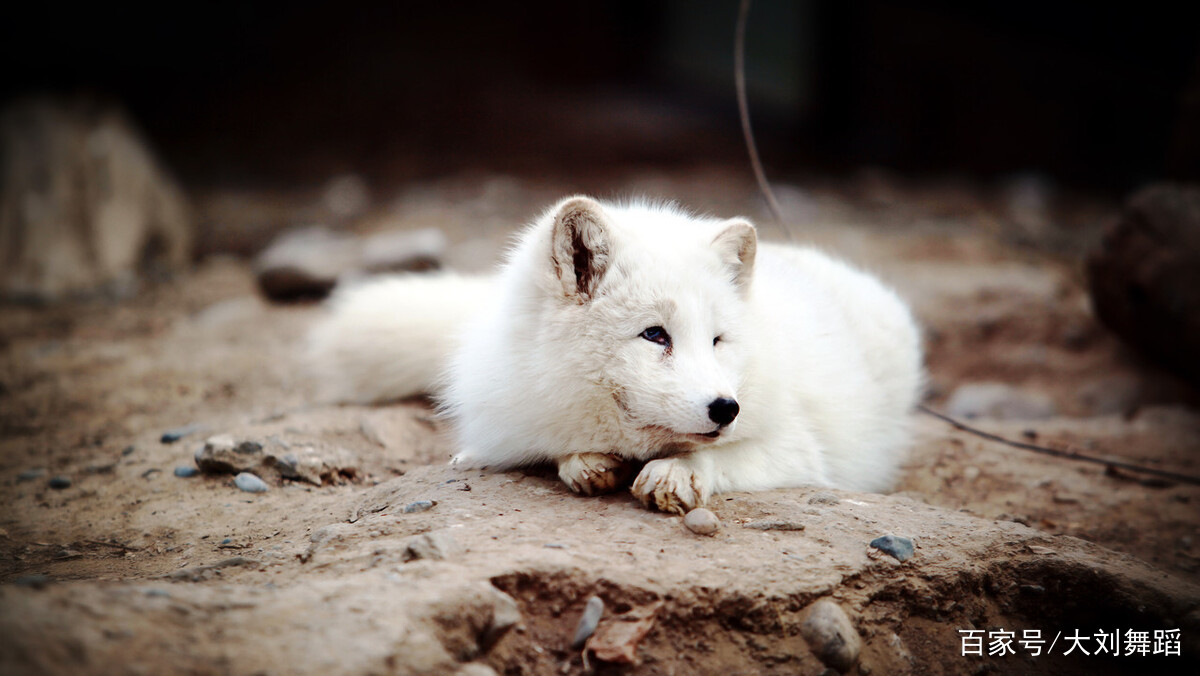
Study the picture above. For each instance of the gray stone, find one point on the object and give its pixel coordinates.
(824, 498)
(774, 525)
(250, 483)
(900, 548)
(186, 471)
(173, 435)
(999, 401)
(588, 622)
(419, 506)
(35, 581)
(60, 482)
(31, 474)
(831, 635)
(702, 521)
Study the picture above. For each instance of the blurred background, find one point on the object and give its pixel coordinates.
(1105, 97)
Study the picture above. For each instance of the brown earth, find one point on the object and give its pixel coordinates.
(131, 569)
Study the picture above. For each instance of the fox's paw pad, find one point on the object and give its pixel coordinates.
(594, 473)
(669, 485)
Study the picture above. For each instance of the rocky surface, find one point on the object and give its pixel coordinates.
(405, 565)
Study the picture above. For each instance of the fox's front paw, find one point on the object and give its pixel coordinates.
(670, 485)
(594, 473)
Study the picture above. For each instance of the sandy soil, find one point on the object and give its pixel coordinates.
(131, 569)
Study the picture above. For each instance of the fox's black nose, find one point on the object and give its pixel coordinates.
(722, 411)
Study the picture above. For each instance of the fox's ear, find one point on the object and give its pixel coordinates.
(580, 246)
(737, 244)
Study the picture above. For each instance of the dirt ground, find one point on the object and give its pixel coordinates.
(132, 569)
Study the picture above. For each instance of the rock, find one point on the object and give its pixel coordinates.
(222, 454)
(250, 483)
(506, 614)
(592, 612)
(307, 263)
(900, 548)
(303, 264)
(199, 573)
(824, 498)
(998, 401)
(59, 482)
(171, 436)
(35, 581)
(617, 640)
(1144, 278)
(774, 525)
(186, 471)
(31, 474)
(403, 250)
(831, 635)
(702, 521)
(329, 466)
(84, 205)
(436, 546)
(419, 506)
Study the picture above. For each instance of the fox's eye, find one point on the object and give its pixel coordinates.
(716, 339)
(656, 334)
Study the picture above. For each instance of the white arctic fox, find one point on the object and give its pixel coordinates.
(621, 334)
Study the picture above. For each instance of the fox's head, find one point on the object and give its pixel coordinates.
(648, 304)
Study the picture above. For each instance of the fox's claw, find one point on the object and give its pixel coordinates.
(671, 486)
(594, 473)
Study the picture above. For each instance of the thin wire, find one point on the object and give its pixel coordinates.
(739, 74)
(739, 78)
(1058, 453)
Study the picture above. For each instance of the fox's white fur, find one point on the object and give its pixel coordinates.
(555, 358)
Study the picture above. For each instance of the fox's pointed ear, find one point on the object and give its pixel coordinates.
(737, 244)
(580, 246)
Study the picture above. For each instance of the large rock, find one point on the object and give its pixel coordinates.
(1145, 277)
(84, 205)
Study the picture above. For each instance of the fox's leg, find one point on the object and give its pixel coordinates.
(672, 485)
(594, 473)
(681, 483)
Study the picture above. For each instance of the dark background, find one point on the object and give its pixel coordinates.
(1094, 96)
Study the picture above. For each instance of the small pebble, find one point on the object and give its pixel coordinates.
(419, 506)
(554, 545)
(774, 525)
(186, 471)
(250, 483)
(163, 593)
(702, 521)
(128, 450)
(35, 581)
(60, 482)
(227, 541)
(824, 499)
(900, 548)
(590, 619)
(171, 436)
(31, 474)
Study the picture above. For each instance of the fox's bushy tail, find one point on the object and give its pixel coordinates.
(392, 337)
